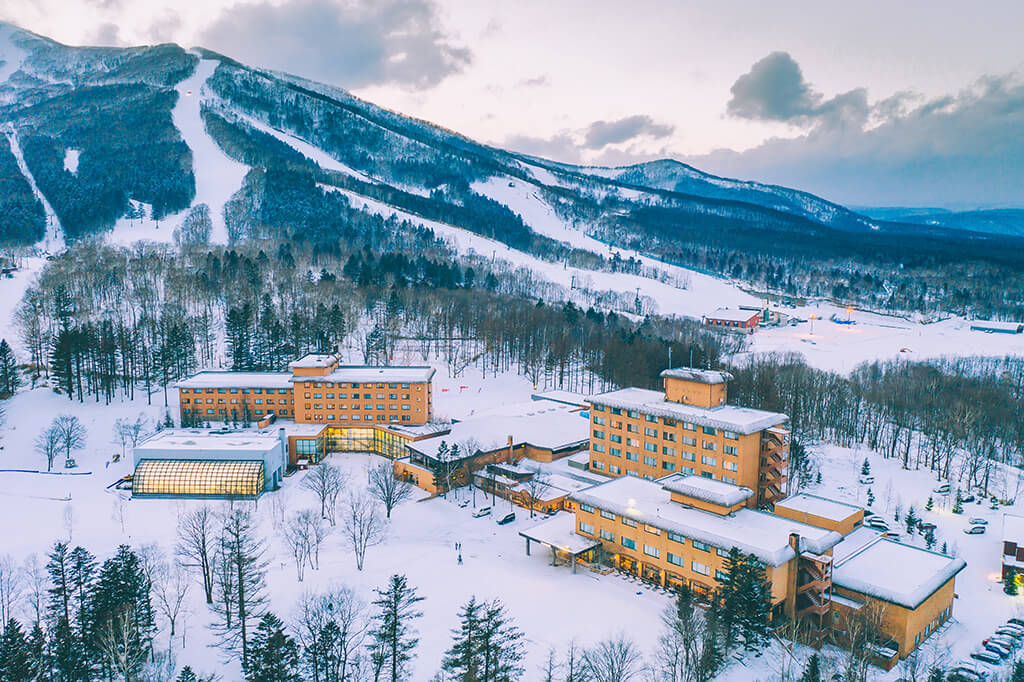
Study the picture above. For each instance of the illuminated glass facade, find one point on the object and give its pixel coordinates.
(358, 439)
(198, 478)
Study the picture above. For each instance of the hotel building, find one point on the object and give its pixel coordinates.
(688, 428)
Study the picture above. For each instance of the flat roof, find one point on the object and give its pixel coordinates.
(892, 571)
(706, 489)
(997, 324)
(1013, 528)
(732, 315)
(565, 397)
(554, 428)
(745, 420)
(703, 376)
(313, 361)
(367, 374)
(766, 536)
(225, 378)
(190, 440)
(823, 507)
(560, 532)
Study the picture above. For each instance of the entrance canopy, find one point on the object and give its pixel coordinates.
(560, 533)
(198, 478)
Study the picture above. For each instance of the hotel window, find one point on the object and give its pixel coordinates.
(707, 474)
(392, 396)
(405, 385)
(598, 434)
(671, 437)
(318, 395)
(652, 530)
(598, 408)
(688, 440)
(633, 414)
(689, 426)
(615, 438)
(721, 576)
(632, 473)
(668, 466)
(628, 543)
(708, 444)
(615, 452)
(607, 535)
(688, 456)
(700, 568)
(599, 421)
(629, 522)
(675, 559)
(729, 479)
(615, 410)
(651, 418)
(668, 422)
(597, 447)
(676, 537)
(710, 430)
(730, 450)
(405, 407)
(616, 424)
(652, 551)
(703, 546)
(632, 428)
(651, 447)
(686, 471)
(632, 457)
(586, 528)
(729, 465)
(721, 551)
(667, 451)
(330, 396)
(650, 461)
(731, 435)
(707, 459)
(598, 465)
(612, 469)
(607, 515)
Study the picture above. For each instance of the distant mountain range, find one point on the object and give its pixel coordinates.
(1004, 221)
(94, 136)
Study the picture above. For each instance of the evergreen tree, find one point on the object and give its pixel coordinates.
(81, 575)
(15, 656)
(10, 378)
(945, 549)
(273, 655)
(1018, 672)
(871, 497)
(240, 583)
(745, 601)
(911, 521)
(59, 603)
(958, 503)
(812, 673)
(392, 635)
(712, 655)
(187, 675)
(37, 652)
(1010, 580)
(487, 647)
(939, 675)
(865, 468)
(120, 615)
(930, 504)
(929, 537)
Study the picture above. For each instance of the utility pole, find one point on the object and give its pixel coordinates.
(669, 356)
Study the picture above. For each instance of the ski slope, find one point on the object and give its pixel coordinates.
(11, 56)
(54, 239)
(218, 176)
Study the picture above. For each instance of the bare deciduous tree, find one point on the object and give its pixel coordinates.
(12, 585)
(616, 659)
(197, 545)
(129, 432)
(168, 584)
(116, 641)
(536, 488)
(364, 526)
(332, 628)
(37, 582)
(326, 481)
(388, 490)
(296, 536)
(72, 433)
(48, 444)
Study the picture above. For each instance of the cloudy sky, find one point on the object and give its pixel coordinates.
(868, 103)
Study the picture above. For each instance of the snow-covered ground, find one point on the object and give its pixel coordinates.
(218, 176)
(53, 241)
(11, 56)
(71, 160)
(11, 291)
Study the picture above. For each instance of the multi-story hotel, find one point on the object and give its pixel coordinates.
(689, 429)
(825, 570)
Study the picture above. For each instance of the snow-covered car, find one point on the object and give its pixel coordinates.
(967, 497)
(962, 671)
(977, 521)
(975, 530)
(507, 518)
(1013, 634)
(926, 525)
(1016, 621)
(877, 523)
(867, 480)
(1002, 650)
(481, 512)
(1005, 641)
(943, 489)
(1013, 628)
(985, 656)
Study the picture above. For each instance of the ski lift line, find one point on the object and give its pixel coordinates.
(45, 473)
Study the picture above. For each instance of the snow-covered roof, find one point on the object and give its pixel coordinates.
(553, 485)
(743, 420)
(732, 315)
(706, 489)
(822, 507)
(564, 397)
(560, 532)
(224, 378)
(366, 374)
(554, 429)
(703, 376)
(891, 571)
(186, 441)
(1013, 528)
(313, 361)
(996, 325)
(847, 602)
(766, 536)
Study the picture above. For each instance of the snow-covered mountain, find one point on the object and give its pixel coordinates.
(131, 138)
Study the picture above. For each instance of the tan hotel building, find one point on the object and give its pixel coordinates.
(688, 428)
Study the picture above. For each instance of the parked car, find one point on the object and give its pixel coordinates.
(1003, 641)
(867, 480)
(1012, 633)
(995, 647)
(507, 518)
(975, 530)
(961, 671)
(463, 504)
(968, 497)
(977, 521)
(481, 512)
(1016, 621)
(985, 656)
(877, 523)
(926, 525)
(1014, 626)
(943, 489)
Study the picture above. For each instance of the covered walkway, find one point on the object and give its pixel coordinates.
(559, 534)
